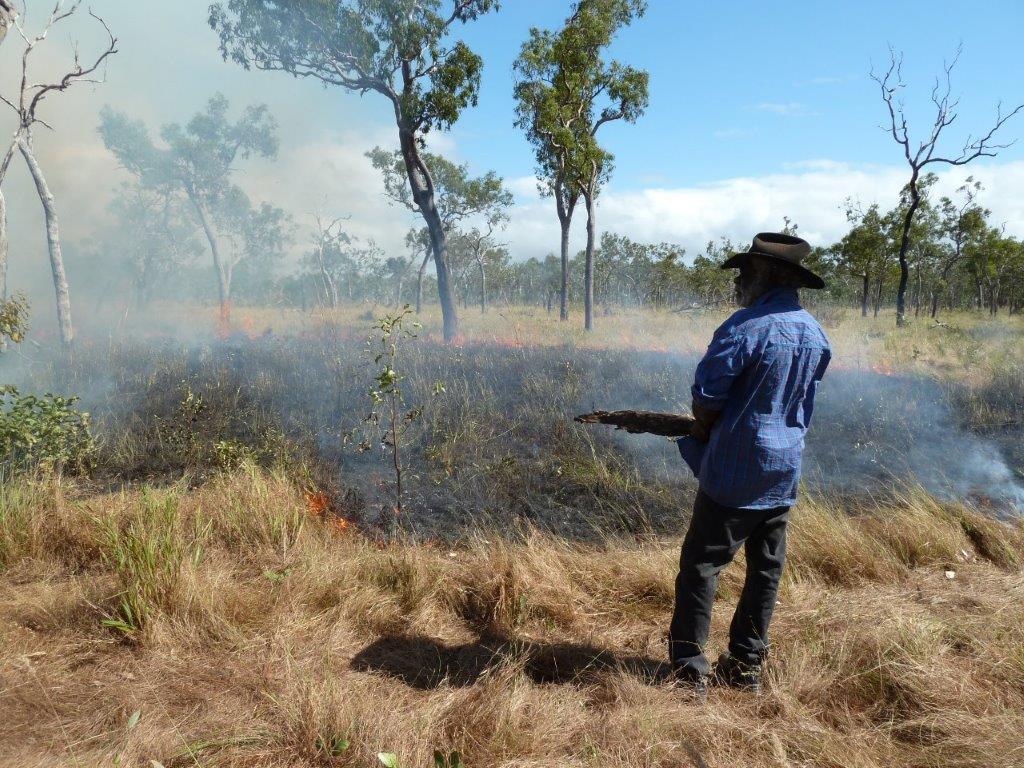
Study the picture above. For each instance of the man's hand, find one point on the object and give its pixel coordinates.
(705, 420)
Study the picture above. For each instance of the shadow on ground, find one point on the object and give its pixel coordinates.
(425, 663)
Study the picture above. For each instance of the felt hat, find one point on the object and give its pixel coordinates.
(778, 247)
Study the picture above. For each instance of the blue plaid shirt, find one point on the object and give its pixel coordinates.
(761, 371)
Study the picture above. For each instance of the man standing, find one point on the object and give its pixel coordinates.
(753, 395)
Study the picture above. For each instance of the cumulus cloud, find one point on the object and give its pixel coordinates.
(811, 193)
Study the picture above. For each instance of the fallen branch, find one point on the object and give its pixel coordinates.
(637, 422)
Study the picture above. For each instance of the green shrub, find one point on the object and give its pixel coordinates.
(13, 320)
(46, 430)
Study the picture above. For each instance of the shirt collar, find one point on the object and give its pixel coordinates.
(778, 296)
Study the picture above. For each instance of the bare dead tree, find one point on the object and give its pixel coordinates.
(329, 234)
(26, 106)
(926, 153)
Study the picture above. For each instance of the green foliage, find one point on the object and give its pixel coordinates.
(13, 319)
(45, 430)
(451, 760)
(387, 414)
(333, 746)
(396, 48)
(207, 430)
(565, 91)
(190, 180)
(456, 194)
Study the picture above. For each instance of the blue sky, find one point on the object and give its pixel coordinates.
(758, 110)
(745, 88)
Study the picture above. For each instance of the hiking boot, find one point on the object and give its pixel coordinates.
(692, 681)
(734, 673)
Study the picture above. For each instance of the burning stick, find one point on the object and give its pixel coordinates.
(666, 424)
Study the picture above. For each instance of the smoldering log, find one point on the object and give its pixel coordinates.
(641, 422)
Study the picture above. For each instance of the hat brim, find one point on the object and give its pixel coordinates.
(811, 280)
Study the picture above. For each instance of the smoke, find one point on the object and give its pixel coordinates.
(871, 428)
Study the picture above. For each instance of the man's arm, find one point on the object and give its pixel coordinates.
(727, 356)
(704, 420)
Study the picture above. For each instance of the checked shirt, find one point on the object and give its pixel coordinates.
(761, 371)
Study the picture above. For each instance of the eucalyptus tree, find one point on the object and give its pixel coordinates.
(328, 235)
(565, 92)
(26, 105)
(925, 154)
(963, 221)
(399, 49)
(458, 198)
(863, 250)
(198, 161)
(154, 236)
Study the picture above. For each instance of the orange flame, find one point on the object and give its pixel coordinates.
(321, 507)
(318, 503)
(338, 525)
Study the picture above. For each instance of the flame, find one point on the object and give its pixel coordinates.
(321, 507)
(318, 503)
(884, 369)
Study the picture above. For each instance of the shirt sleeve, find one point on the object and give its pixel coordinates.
(812, 389)
(727, 356)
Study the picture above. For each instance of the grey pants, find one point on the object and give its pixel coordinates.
(715, 535)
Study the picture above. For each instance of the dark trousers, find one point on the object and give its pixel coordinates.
(715, 535)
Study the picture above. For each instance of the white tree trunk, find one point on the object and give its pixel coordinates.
(588, 276)
(5, 163)
(3, 247)
(60, 280)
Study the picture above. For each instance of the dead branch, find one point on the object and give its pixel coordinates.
(641, 422)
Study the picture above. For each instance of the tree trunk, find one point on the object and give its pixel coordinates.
(483, 284)
(866, 288)
(5, 163)
(878, 295)
(565, 205)
(419, 282)
(422, 186)
(908, 220)
(917, 291)
(935, 301)
(329, 288)
(3, 248)
(588, 272)
(223, 276)
(60, 280)
(563, 312)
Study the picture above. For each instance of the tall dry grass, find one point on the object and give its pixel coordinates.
(261, 635)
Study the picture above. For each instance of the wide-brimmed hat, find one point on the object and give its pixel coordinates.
(779, 247)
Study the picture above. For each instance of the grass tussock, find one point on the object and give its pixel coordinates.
(225, 625)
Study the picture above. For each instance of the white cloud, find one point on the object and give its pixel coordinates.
(812, 194)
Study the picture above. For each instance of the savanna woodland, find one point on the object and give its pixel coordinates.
(289, 474)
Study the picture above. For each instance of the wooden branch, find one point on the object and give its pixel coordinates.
(78, 74)
(641, 422)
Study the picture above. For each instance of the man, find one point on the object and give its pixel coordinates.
(753, 395)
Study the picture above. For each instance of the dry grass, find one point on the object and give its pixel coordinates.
(262, 637)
